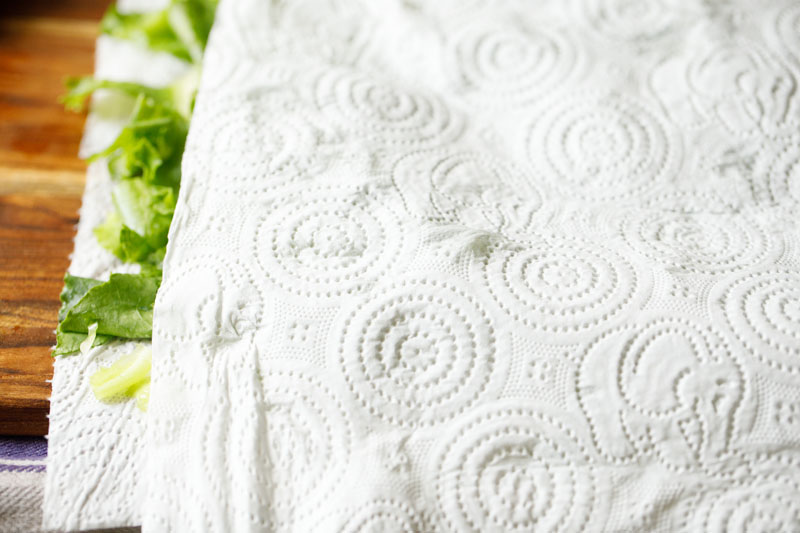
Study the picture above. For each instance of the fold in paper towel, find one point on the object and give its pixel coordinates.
(482, 266)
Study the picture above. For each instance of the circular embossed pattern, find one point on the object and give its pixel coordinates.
(508, 64)
(418, 352)
(385, 112)
(467, 183)
(561, 286)
(689, 201)
(784, 174)
(696, 242)
(169, 500)
(603, 147)
(384, 515)
(638, 21)
(763, 310)
(516, 469)
(327, 244)
(256, 144)
(665, 387)
(207, 298)
(207, 308)
(745, 86)
(467, 188)
(759, 506)
(730, 68)
(299, 435)
(787, 28)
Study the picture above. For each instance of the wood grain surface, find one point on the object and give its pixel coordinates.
(41, 182)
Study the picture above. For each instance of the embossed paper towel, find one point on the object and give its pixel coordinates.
(485, 266)
(96, 450)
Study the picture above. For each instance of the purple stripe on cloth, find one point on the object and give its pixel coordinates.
(22, 468)
(23, 448)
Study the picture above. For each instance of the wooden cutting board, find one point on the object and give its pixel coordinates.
(41, 182)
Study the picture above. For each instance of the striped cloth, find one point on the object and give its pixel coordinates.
(22, 466)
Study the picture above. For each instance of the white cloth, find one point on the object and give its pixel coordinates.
(96, 450)
(22, 462)
(485, 266)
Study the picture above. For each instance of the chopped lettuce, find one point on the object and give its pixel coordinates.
(74, 289)
(144, 162)
(150, 146)
(120, 240)
(68, 342)
(122, 307)
(149, 30)
(80, 88)
(91, 334)
(191, 20)
(128, 377)
(145, 208)
(145, 158)
(142, 396)
(179, 95)
(180, 29)
(136, 231)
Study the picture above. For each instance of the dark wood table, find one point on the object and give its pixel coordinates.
(41, 182)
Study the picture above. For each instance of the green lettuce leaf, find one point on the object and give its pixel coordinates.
(74, 289)
(121, 241)
(179, 95)
(150, 146)
(122, 307)
(80, 88)
(69, 342)
(180, 29)
(145, 208)
(136, 231)
(191, 20)
(149, 30)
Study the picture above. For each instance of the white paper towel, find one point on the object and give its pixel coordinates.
(485, 266)
(96, 450)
